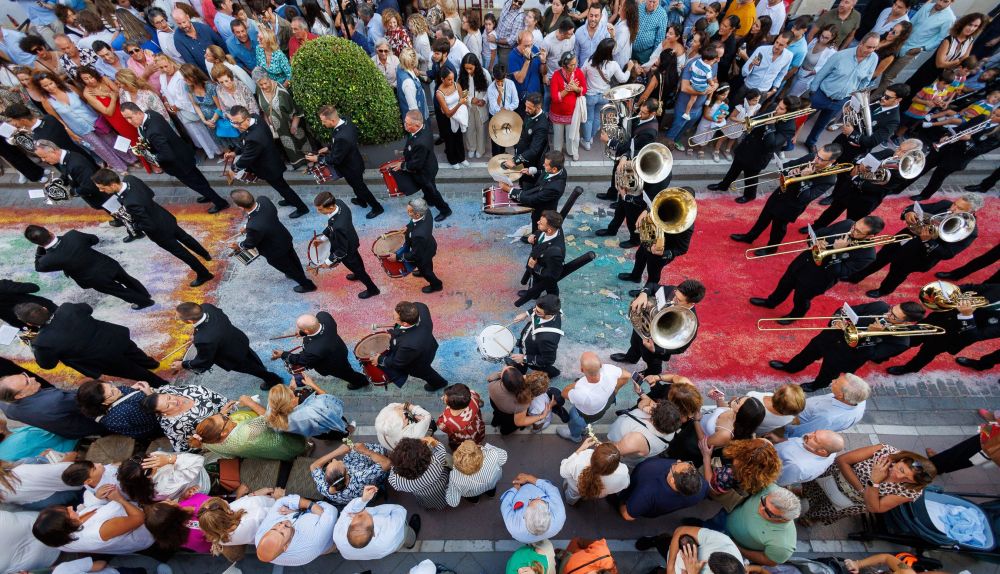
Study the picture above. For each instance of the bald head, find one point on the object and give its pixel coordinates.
(308, 324)
(590, 365)
(275, 541)
(830, 441)
(361, 530)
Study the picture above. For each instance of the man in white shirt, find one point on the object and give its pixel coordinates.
(591, 395)
(458, 47)
(372, 533)
(805, 458)
(838, 411)
(296, 531)
(775, 9)
(766, 67)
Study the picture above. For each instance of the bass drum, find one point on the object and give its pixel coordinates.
(376, 345)
(390, 179)
(386, 247)
(497, 201)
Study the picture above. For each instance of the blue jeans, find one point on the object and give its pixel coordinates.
(593, 123)
(577, 424)
(679, 124)
(61, 498)
(826, 109)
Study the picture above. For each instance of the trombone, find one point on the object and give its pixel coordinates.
(981, 127)
(820, 252)
(853, 335)
(789, 175)
(748, 124)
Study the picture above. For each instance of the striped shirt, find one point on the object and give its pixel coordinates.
(429, 487)
(468, 485)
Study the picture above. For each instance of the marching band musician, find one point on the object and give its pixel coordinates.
(419, 247)
(653, 258)
(13, 293)
(686, 294)
(545, 264)
(530, 147)
(71, 335)
(863, 196)
(344, 155)
(258, 153)
(322, 350)
(964, 324)
(73, 253)
(957, 155)
(174, 155)
(412, 347)
(266, 234)
(539, 340)
(753, 154)
(220, 343)
(45, 127)
(808, 280)
(420, 166)
(838, 357)
(155, 221)
(628, 207)
(545, 195)
(77, 171)
(344, 242)
(788, 202)
(915, 256)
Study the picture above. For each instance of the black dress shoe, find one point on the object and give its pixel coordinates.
(613, 205)
(714, 187)
(137, 306)
(217, 208)
(284, 202)
(298, 213)
(899, 370)
(115, 223)
(606, 196)
(946, 275)
(304, 289)
(779, 365)
(198, 281)
(741, 237)
(765, 251)
(438, 141)
(826, 200)
(920, 197)
(431, 388)
(629, 277)
(743, 199)
(432, 289)
(623, 358)
(975, 364)
(366, 294)
(416, 273)
(355, 386)
(761, 302)
(804, 229)
(442, 216)
(874, 293)
(522, 293)
(357, 201)
(351, 277)
(634, 292)
(375, 212)
(203, 200)
(605, 233)
(414, 523)
(131, 238)
(628, 244)
(644, 543)
(975, 187)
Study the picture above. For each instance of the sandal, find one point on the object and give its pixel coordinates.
(701, 155)
(715, 156)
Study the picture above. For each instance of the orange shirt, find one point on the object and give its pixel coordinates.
(747, 13)
(580, 562)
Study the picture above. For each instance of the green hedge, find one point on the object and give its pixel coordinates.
(331, 70)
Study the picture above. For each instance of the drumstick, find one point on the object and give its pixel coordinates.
(284, 337)
(174, 352)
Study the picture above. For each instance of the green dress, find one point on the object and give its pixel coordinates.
(280, 109)
(252, 438)
(525, 556)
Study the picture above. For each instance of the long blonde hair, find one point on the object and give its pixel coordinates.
(220, 55)
(218, 521)
(280, 403)
(267, 40)
(130, 79)
(418, 25)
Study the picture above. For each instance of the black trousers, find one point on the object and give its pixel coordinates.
(346, 373)
(20, 161)
(991, 359)
(503, 421)
(855, 206)
(980, 262)
(830, 368)
(411, 183)
(253, 366)
(454, 144)
(426, 269)
(957, 457)
(749, 170)
(937, 179)
(420, 371)
(134, 364)
(538, 286)
(178, 242)
(125, 287)
(289, 264)
(636, 351)
(95, 200)
(779, 227)
(653, 264)
(900, 267)
(356, 265)
(991, 179)
(286, 192)
(625, 212)
(194, 179)
(361, 191)
(803, 294)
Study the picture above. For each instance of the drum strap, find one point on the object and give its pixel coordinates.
(548, 330)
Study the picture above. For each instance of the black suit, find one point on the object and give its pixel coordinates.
(531, 146)
(258, 153)
(344, 244)
(546, 193)
(272, 239)
(420, 248)
(411, 352)
(160, 225)
(75, 256)
(860, 197)
(914, 255)
(752, 154)
(785, 205)
(326, 353)
(540, 345)
(838, 357)
(92, 347)
(654, 359)
(78, 171)
(176, 157)
(628, 211)
(674, 244)
(221, 343)
(51, 129)
(549, 257)
(344, 155)
(13, 293)
(956, 156)
(809, 280)
(420, 167)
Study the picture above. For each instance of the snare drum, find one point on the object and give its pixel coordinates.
(293, 369)
(322, 172)
(389, 177)
(495, 343)
(317, 251)
(497, 201)
(246, 256)
(244, 175)
(374, 344)
(386, 247)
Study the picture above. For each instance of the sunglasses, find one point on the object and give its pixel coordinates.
(134, 51)
(767, 511)
(382, 51)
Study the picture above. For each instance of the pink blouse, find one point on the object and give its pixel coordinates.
(140, 69)
(196, 540)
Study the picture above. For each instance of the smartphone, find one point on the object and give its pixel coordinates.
(637, 379)
(298, 378)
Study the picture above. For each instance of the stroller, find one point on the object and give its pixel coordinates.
(913, 525)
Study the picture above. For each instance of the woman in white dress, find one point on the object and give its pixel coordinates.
(594, 471)
(117, 527)
(231, 525)
(476, 81)
(175, 92)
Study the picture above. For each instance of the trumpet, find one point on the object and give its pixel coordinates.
(820, 253)
(788, 175)
(981, 127)
(749, 124)
(948, 227)
(853, 335)
(945, 296)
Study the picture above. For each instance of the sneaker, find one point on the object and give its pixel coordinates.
(926, 124)
(679, 146)
(782, 156)
(715, 157)
(585, 145)
(469, 154)
(566, 434)
(164, 568)
(686, 116)
(456, 166)
(466, 163)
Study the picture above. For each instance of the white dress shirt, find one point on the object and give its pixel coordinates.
(826, 413)
(390, 530)
(769, 73)
(313, 533)
(256, 508)
(798, 464)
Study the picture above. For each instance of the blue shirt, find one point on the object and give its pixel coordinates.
(652, 29)
(798, 50)
(514, 518)
(842, 75)
(192, 50)
(649, 495)
(108, 70)
(826, 413)
(53, 410)
(533, 79)
(768, 74)
(39, 15)
(28, 441)
(9, 44)
(245, 57)
(316, 415)
(928, 28)
(222, 25)
(127, 417)
(375, 28)
(313, 533)
(361, 40)
(584, 45)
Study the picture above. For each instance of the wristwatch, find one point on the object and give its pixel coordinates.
(873, 484)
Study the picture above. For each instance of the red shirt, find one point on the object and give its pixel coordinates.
(561, 108)
(466, 425)
(294, 44)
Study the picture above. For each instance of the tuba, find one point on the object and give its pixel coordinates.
(948, 227)
(56, 189)
(670, 326)
(24, 140)
(909, 165)
(626, 178)
(610, 119)
(674, 211)
(945, 296)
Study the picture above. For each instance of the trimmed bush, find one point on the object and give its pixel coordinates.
(331, 70)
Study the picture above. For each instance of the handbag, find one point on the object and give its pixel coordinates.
(101, 126)
(224, 128)
(229, 473)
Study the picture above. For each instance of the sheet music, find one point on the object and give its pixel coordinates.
(36, 193)
(112, 205)
(812, 234)
(122, 144)
(870, 161)
(919, 211)
(7, 130)
(8, 333)
(661, 298)
(850, 314)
